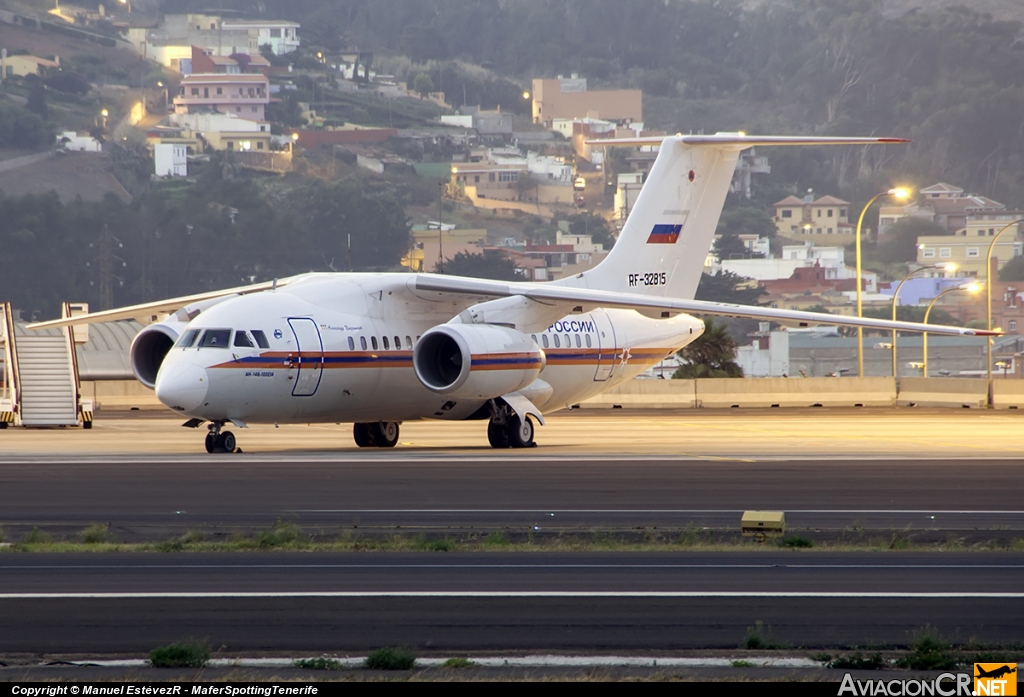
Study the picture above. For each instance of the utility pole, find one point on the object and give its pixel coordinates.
(106, 261)
(440, 229)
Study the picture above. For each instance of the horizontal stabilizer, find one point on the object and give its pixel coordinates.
(743, 141)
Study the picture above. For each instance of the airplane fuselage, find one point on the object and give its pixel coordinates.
(340, 349)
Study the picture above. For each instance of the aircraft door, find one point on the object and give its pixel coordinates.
(607, 354)
(309, 357)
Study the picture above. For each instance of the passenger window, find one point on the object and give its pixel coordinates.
(579, 342)
(386, 344)
(362, 342)
(398, 343)
(544, 340)
(587, 337)
(408, 341)
(261, 338)
(351, 344)
(242, 339)
(568, 341)
(534, 337)
(215, 338)
(188, 339)
(558, 344)
(373, 342)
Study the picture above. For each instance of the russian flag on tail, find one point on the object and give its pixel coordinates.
(664, 234)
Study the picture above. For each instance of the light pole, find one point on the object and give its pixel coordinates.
(970, 288)
(945, 267)
(988, 305)
(900, 194)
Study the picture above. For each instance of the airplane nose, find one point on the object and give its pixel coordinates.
(183, 387)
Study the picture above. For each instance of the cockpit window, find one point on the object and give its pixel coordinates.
(242, 339)
(215, 338)
(188, 339)
(261, 338)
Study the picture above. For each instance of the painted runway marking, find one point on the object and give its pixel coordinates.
(548, 511)
(456, 565)
(512, 594)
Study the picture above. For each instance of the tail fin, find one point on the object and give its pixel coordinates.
(668, 234)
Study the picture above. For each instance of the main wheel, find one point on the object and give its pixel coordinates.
(497, 434)
(211, 442)
(385, 434)
(520, 432)
(227, 442)
(361, 435)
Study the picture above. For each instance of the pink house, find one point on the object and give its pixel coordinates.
(244, 95)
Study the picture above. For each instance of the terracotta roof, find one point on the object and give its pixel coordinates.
(790, 201)
(942, 188)
(830, 201)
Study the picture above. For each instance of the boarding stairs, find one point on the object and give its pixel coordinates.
(41, 385)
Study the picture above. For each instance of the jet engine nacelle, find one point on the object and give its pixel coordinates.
(151, 346)
(476, 361)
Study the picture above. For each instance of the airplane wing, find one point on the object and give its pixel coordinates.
(149, 312)
(584, 300)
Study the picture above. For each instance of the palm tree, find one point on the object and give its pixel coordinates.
(711, 355)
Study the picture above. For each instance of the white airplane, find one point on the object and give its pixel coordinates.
(377, 349)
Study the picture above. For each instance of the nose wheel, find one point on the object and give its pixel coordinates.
(218, 441)
(380, 434)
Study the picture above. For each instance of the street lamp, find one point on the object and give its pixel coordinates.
(899, 193)
(104, 114)
(988, 311)
(944, 267)
(970, 288)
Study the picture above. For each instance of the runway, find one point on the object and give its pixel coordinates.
(941, 475)
(591, 602)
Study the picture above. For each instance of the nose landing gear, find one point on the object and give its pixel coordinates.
(380, 434)
(218, 441)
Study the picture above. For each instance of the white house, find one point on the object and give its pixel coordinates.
(169, 160)
(71, 141)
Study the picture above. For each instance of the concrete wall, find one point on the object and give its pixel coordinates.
(943, 392)
(807, 392)
(1008, 394)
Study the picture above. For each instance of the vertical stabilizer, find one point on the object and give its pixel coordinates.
(666, 239)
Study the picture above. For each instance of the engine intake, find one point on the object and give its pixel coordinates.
(476, 361)
(150, 347)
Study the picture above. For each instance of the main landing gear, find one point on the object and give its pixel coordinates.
(507, 430)
(218, 441)
(380, 434)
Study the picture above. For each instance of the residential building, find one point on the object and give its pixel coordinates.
(204, 61)
(488, 179)
(72, 142)
(170, 160)
(219, 131)
(748, 164)
(282, 36)
(968, 253)
(171, 42)
(809, 218)
(563, 98)
(245, 96)
(943, 204)
(21, 66)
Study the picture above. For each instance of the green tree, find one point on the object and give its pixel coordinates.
(711, 355)
(422, 85)
(491, 264)
(36, 97)
(1013, 270)
(594, 225)
(746, 221)
(901, 242)
(730, 246)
